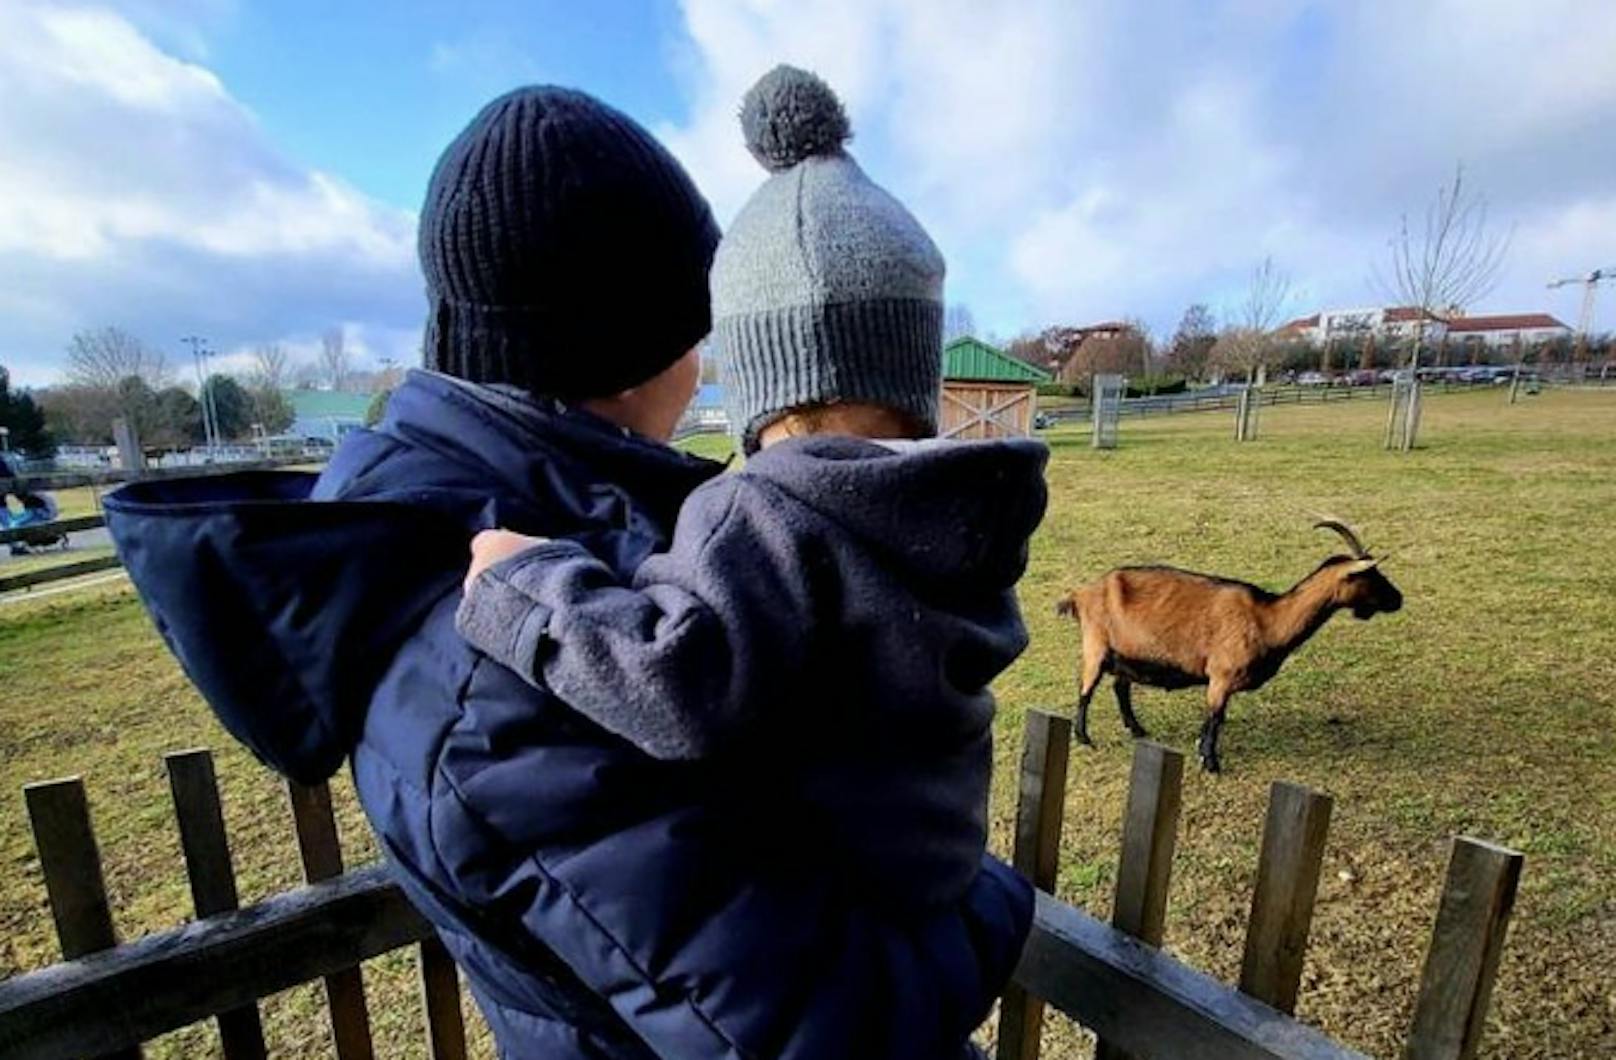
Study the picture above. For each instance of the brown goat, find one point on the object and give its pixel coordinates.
(1169, 628)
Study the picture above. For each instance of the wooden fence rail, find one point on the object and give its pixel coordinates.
(61, 480)
(105, 999)
(59, 572)
(55, 526)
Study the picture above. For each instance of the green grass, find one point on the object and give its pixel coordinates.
(1486, 707)
(711, 446)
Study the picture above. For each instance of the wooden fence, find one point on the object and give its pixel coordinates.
(1223, 401)
(105, 999)
(61, 480)
(1227, 400)
(1142, 1003)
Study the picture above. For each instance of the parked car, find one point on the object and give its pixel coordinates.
(1493, 374)
(1363, 377)
(1312, 379)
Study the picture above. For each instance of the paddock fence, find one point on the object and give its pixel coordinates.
(107, 997)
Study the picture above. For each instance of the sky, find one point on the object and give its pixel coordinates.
(250, 171)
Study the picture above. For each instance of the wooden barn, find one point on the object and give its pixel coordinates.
(986, 392)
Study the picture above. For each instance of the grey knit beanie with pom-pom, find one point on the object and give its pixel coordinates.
(825, 289)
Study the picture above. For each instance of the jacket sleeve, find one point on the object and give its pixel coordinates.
(681, 658)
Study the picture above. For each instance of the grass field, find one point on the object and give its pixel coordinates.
(1487, 707)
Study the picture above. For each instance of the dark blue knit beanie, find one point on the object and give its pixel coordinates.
(565, 250)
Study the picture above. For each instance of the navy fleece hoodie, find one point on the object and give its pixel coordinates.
(839, 607)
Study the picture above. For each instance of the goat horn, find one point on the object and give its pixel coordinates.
(1328, 522)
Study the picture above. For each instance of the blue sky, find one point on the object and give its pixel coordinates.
(374, 96)
(250, 170)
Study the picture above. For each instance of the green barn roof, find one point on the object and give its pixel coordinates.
(325, 404)
(973, 359)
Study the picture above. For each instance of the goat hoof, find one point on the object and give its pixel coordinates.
(1210, 764)
(1082, 738)
(1139, 734)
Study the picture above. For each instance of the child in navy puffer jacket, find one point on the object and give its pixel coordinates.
(842, 603)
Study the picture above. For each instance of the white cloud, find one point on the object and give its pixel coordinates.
(1111, 158)
(135, 190)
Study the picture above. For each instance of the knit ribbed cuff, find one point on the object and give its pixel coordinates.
(536, 347)
(884, 352)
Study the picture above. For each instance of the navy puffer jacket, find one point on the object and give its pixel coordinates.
(601, 902)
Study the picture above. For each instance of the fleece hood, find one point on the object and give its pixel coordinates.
(935, 509)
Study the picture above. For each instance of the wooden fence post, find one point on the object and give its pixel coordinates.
(1465, 946)
(1287, 884)
(1040, 803)
(59, 815)
(195, 791)
(1149, 833)
(322, 859)
(440, 997)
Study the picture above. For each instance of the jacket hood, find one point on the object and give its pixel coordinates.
(286, 595)
(283, 612)
(939, 509)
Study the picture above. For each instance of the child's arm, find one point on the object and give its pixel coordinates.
(678, 660)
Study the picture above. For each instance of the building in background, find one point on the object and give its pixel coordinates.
(1507, 330)
(326, 414)
(1388, 324)
(986, 392)
(1396, 323)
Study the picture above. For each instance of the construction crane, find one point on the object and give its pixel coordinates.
(1590, 284)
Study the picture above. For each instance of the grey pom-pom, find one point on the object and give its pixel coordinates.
(790, 115)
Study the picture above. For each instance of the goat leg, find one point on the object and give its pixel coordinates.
(1124, 691)
(1208, 745)
(1080, 725)
(1088, 682)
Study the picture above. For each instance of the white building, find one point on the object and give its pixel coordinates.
(1527, 329)
(1395, 323)
(1388, 324)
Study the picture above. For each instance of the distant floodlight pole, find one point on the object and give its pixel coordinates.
(199, 357)
(213, 398)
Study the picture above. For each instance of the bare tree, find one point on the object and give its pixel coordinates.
(1268, 297)
(1449, 264)
(334, 364)
(1249, 346)
(265, 387)
(1125, 353)
(105, 357)
(958, 322)
(306, 376)
(1193, 341)
(271, 368)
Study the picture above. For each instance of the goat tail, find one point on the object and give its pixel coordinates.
(1066, 606)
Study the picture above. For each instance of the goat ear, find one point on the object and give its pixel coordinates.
(1362, 565)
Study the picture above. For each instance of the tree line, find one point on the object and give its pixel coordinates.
(112, 374)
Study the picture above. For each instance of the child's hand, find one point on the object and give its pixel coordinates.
(491, 546)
